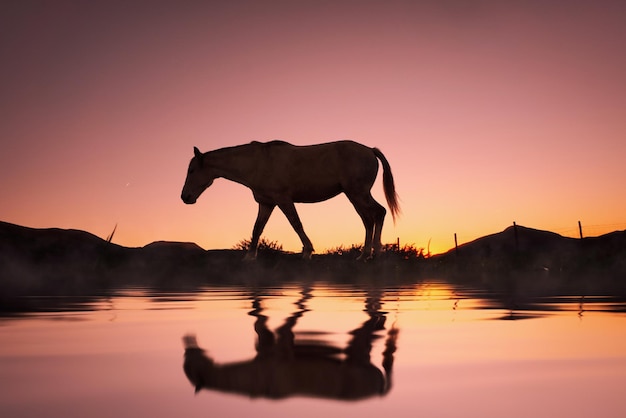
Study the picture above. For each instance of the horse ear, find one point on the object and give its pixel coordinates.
(198, 155)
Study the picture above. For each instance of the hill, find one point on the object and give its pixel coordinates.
(70, 262)
(531, 258)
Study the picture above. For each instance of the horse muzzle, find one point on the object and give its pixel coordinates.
(188, 199)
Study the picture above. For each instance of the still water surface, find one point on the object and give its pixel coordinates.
(431, 349)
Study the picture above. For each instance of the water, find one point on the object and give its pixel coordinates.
(430, 349)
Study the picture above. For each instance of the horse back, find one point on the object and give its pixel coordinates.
(316, 172)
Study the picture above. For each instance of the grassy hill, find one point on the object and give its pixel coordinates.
(538, 260)
(69, 262)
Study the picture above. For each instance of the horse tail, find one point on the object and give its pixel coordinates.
(390, 349)
(388, 185)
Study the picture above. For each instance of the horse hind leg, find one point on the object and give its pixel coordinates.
(378, 227)
(372, 214)
(366, 254)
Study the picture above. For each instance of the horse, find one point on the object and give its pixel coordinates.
(281, 174)
(284, 366)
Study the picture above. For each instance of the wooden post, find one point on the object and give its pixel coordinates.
(516, 239)
(398, 244)
(456, 246)
(580, 230)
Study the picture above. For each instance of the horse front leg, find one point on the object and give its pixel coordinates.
(292, 216)
(262, 217)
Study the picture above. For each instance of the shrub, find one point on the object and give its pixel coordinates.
(354, 249)
(406, 252)
(264, 245)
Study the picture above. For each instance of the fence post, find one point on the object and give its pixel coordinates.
(456, 246)
(580, 230)
(515, 233)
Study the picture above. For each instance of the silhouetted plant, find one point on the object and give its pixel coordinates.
(110, 237)
(264, 245)
(341, 250)
(406, 252)
(103, 254)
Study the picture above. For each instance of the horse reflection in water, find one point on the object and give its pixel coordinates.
(284, 367)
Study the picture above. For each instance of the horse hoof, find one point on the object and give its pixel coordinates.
(249, 257)
(365, 258)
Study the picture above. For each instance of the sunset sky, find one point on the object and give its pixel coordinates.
(488, 111)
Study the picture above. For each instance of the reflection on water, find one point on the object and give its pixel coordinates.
(284, 367)
(310, 344)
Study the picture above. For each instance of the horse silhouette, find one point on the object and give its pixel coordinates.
(281, 174)
(284, 367)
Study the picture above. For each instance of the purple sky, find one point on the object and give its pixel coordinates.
(488, 111)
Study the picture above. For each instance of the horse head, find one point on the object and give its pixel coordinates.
(199, 178)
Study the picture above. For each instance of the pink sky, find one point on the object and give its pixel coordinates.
(489, 112)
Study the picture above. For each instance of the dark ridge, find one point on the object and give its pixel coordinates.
(536, 260)
(520, 260)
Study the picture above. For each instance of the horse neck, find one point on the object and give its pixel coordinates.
(234, 163)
